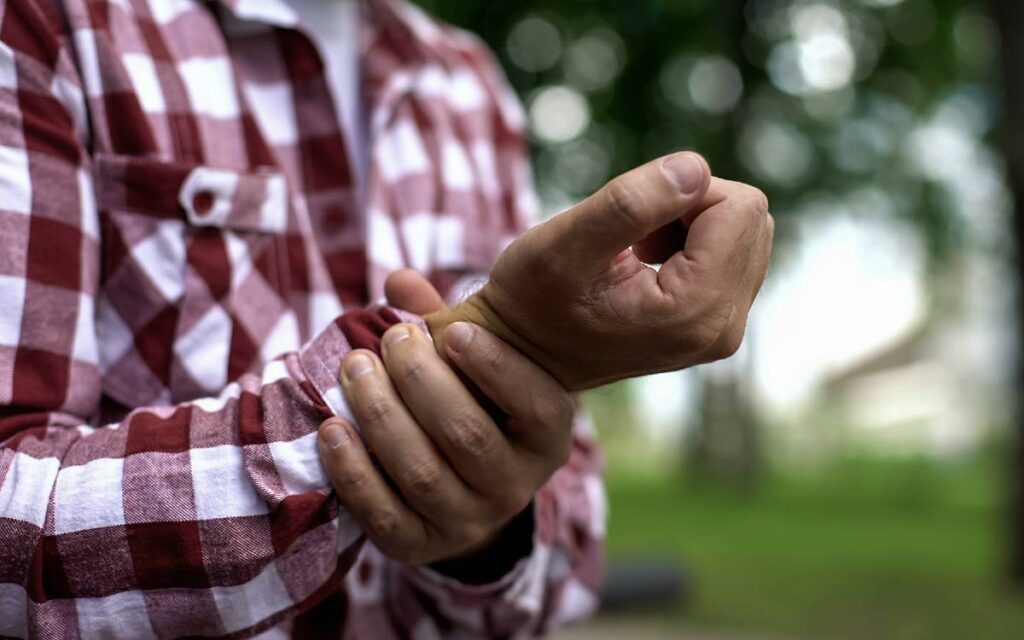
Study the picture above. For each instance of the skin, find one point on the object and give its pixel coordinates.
(617, 317)
(594, 311)
(456, 476)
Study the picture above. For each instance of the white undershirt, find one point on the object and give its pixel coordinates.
(334, 28)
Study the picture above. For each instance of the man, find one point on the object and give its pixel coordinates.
(195, 213)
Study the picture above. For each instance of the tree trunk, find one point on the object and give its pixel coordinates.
(726, 445)
(1009, 15)
(726, 449)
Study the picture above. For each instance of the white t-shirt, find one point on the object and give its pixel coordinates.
(334, 28)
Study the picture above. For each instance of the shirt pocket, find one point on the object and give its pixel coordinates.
(186, 250)
(198, 195)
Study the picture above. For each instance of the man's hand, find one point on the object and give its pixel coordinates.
(448, 478)
(573, 296)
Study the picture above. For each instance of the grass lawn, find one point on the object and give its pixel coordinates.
(875, 550)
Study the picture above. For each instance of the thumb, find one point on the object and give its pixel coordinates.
(632, 206)
(408, 290)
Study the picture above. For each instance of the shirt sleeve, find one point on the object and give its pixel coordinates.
(207, 518)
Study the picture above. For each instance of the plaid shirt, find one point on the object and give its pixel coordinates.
(185, 262)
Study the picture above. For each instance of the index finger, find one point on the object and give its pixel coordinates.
(540, 410)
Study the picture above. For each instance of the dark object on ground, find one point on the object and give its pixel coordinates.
(1009, 15)
(645, 584)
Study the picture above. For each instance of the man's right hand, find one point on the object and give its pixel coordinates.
(448, 473)
(575, 295)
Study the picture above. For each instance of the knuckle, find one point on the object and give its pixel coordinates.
(350, 479)
(410, 368)
(494, 359)
(382, 526)
(720, 340)
(514, 501)
(554, 409)
(706, 327)
(473, 532)
(731, 341)
(563, 410)
(556, 454)
(375, 407)
(561, 454)
(709, 337)
(523, 254)
(402, 550)
(423, 478)
(756, 199)
(626, 201)
(469, 433)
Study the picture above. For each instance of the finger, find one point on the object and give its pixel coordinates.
(767, 248)
(731, 338)
(407, 289)
(405, 452)
(662, 244)
(539, 409)
(721, 242)
(734, 218)
(365, 494)
(631, 207)
(447, 411)
(670, 239)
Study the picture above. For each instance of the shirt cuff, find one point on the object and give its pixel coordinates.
(360, 329)
(521, 564)
(514, 542)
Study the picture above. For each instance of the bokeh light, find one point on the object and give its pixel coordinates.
(594, 60)
(534, 44)
(715, 84)
(558, 113)
(776, 152)
(711, 84)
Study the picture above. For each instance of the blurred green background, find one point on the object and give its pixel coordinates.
(847, 474)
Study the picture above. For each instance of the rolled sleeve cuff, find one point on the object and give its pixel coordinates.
(361, 329)
(515, 575)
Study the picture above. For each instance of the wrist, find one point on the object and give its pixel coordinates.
(477, 310)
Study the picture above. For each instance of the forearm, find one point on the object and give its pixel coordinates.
(206, 504)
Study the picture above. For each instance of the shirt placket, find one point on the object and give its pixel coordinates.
(317, 165)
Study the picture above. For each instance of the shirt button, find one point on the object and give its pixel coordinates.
(202, 203)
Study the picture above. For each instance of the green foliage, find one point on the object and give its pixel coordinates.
(850, 137)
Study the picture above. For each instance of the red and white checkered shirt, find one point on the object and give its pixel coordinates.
(184, 263)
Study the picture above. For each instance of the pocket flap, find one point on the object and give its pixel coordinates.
(202, 195)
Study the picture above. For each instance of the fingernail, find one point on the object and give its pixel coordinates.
(458, 335)
(357, 365)
(334, 435)
(395, 335)
(686, 171)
